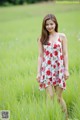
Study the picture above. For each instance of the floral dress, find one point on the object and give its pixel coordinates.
(52, 69)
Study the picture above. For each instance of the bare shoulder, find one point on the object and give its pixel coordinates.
(39, 41)
(40, 46)
(62, 36)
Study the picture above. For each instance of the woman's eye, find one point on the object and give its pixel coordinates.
(51, 23)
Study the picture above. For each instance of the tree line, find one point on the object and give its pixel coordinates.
(16, 2)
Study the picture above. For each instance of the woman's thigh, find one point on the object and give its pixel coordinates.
(50, 91)
(58, 91)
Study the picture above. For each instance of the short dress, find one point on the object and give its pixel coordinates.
(52, 68)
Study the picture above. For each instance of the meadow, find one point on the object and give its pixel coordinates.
(20, 26)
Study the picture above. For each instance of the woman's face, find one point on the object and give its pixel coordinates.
(50, 26)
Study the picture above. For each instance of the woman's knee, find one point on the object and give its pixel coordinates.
(59, 99)
(51, 96)
(49, 91)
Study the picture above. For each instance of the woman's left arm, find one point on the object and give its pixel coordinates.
(65, 54)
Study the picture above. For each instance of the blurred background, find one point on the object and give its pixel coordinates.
(21, 2)
(20, 27)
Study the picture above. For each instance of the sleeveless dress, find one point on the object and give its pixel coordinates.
(52, 68)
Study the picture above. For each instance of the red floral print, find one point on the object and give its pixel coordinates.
(44, 85)
(50, 79)
(58, 45)
(59, 40)
(54, 66)
(52, 71)
(47, 52)
(59, 80)
(49, 62)
(64, 84)
(61, 57)
(43, 59)
(58, 64)
(41, 85)
(54, 74)
(49, 43)
(54, 83)
(60, 50)
(55, 46)
(48, 72)
(48, 83)
(55, 53)
(51, 55)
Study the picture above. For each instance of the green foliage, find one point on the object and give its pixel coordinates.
(20, 2)
(35, 1)
(16, 1)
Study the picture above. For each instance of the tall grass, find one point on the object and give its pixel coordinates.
(20, 26)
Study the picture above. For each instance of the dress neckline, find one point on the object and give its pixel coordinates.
(58, 39)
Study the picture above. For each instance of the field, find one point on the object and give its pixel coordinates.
(20, 26)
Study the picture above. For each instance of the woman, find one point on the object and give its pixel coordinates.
(53, 60)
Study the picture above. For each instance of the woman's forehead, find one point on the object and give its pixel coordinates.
(49, 21)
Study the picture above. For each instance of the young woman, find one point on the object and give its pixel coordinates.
(53, 60)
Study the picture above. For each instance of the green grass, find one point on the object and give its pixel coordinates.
(20, 26)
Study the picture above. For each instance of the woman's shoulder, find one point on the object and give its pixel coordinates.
(62, 36)
(39, 41)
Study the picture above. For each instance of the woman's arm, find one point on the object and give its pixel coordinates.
(65, 54)
(65, 51)
(40, 57)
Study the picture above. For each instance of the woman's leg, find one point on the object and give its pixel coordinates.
(59, 92)
(50, 92)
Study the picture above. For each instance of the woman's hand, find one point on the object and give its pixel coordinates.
(38, 77)
(66, 74)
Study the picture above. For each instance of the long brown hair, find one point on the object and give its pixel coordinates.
(45, 33)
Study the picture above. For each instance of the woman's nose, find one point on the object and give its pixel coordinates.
(49, 26)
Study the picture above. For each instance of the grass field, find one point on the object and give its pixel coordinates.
(20, 26)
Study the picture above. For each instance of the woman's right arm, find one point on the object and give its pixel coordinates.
(40, 58)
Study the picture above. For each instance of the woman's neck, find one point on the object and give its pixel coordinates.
(53, 34)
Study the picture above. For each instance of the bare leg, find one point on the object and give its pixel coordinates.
(50, 92)
(59, 92)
